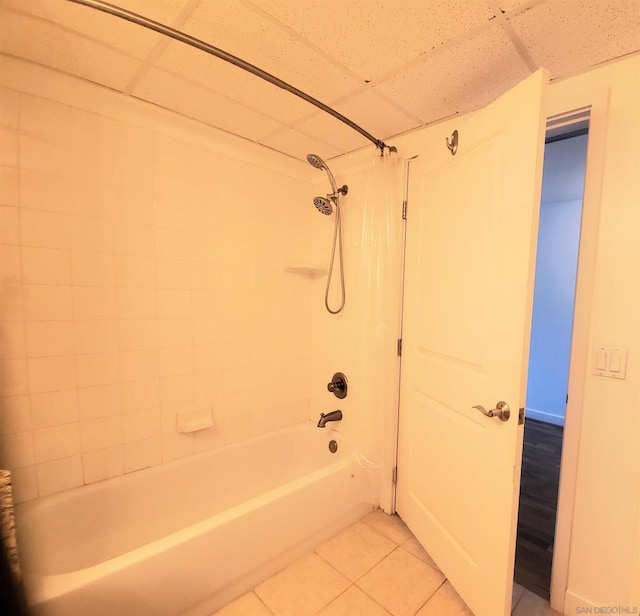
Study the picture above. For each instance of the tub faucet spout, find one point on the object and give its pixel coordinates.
(332, 416)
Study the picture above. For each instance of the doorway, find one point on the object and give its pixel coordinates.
(550, 350)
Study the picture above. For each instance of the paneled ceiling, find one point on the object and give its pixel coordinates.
(388, 65)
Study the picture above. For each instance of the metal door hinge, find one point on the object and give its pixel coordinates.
(520, 416)
(404, 210)
(394, 475)
(399, 347)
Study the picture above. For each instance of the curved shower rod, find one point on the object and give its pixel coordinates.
(140, 20)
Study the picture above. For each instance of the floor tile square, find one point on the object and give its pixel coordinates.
(356, 550)
(401, 583)
(303, 588)
(532, 605)
(247, 605)
(518, 591)
(389, 525)
(445, 602)
(353, 602)
(413, 546)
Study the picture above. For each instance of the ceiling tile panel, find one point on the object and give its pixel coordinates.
(375, 114)
(330, 130)
(239, 30)
(510, 5)
(372, 38)
(463, 78)
(568, 36)
(106, 29)
(298, 145)
(181, 96)
(48, 44)
(233, 82)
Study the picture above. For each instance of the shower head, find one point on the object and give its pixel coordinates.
(315, 161)
(323, 205)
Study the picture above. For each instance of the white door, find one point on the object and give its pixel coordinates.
(470, 257)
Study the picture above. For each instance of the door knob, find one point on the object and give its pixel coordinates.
(502, 411)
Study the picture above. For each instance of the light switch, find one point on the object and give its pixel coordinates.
(614, 362)
(610, 362)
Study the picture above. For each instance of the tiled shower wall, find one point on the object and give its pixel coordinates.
(142, 276)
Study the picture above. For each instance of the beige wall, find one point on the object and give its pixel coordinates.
(604, 538)
(143, 262)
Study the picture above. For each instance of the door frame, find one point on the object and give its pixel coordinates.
(561, 104)
(597, 102)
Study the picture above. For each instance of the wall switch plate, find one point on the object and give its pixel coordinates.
(610, 362)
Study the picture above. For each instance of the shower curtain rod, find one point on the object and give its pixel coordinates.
(140, 20)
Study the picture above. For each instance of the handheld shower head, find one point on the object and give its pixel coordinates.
(315, 161)
(323, 205)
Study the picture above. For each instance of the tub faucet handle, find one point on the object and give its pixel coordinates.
(338, 385)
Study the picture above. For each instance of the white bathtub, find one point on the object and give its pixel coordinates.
(187, 537)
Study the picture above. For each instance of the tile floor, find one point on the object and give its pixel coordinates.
(375, 567)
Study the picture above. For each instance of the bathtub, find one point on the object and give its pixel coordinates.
(189, 536)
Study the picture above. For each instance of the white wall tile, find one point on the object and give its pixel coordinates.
(135, 239)
(56, 442)
(17, 451)
(12, 341)
(25, 484)
(99, 401)
(92, 234)
(138, 365)
(43, 156)
(96, 336)
(43, 191)
(101, 433)
(175, 360)
(9, 150)
(237, 428)
(173, 244)
(9, 186)
(10, 268)
(173, 273)
(52, 373)
(58, 475)
(15, 415)
(9, 108)
(138, 395)
(135, 271)
(93, 269)
(46, 266)
(137, 303)
(94, 303)
(137, 334)
(44, 229)
(9, 224)
(174, 303)
(174, 332)
(88, 198)
(54, 408)
(11, 302)
(14, 375)
(141, 425)
(142, 454)
(175, 389)
(176, 446)
(98, 369)
(103, 463)
(49, 338)
(47, 303)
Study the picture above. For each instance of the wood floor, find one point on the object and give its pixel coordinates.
(538, 505)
